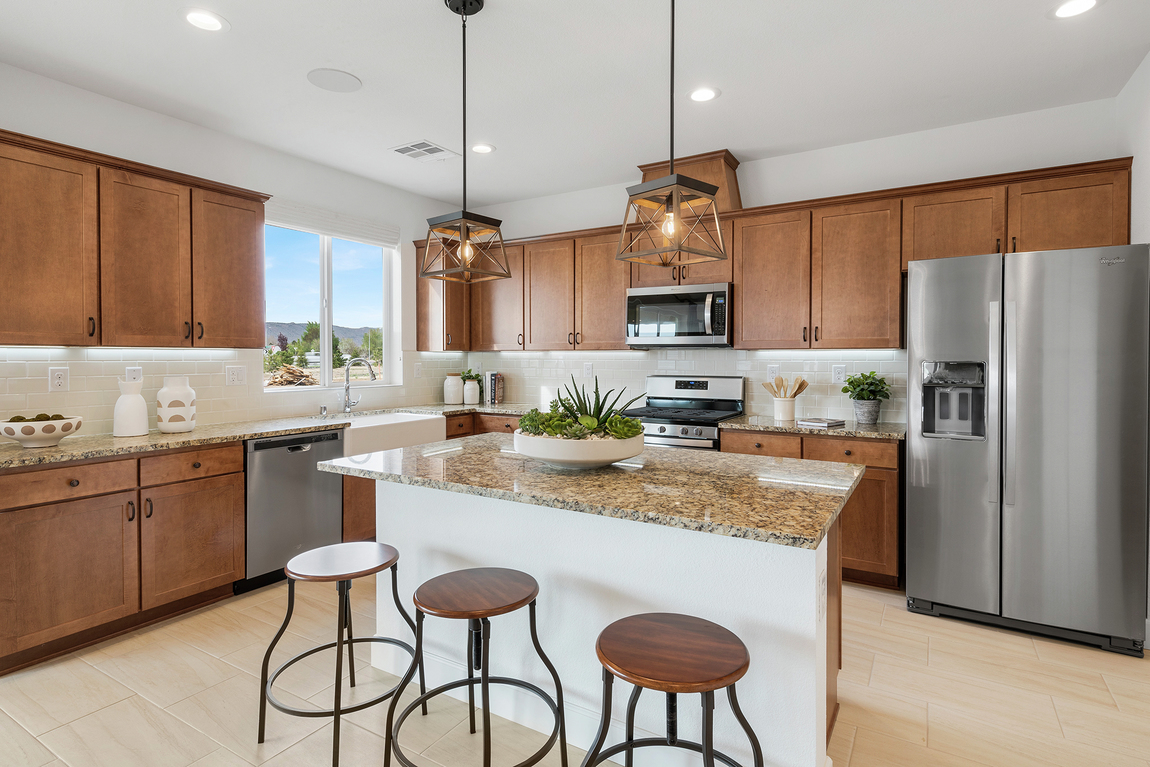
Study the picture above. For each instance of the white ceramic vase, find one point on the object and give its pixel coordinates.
(784, 408)
(453, 389)
(130, 416)
(176, 406)
(471, 392)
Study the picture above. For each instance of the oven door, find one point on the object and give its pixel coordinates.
(680, 315)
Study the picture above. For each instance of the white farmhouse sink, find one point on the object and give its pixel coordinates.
(387, 431)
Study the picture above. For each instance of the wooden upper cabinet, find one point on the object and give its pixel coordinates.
(145, 260)
(707, 272)
(601, 283)
(772, 278)
(549, 295)
(227, 271)
(855, 276)
(1087, 211)
(442, 309)
(497, 309)
(648, 276)
(49, 250)
(967, 222)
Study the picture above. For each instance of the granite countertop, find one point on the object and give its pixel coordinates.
(765, 423)
(451, 410)
(777, 500)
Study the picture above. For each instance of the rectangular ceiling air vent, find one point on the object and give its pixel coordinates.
(425, 151)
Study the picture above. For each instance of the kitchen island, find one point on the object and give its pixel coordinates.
(744, 541)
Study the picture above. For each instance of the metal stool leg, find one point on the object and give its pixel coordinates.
(592, 757)
(756, 749)
(558, 687)
(341, 622)
(407, 619)
(473, 662)
(672, 719)
(350, 653)
(632, 703)
(268, 657)
(708, 729)
(416, 660)
(485, 691)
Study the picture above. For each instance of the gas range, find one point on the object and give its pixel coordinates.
(685, 412)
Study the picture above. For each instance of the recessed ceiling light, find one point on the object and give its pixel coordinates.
(335, 80)
(1074, 7)
(704, 94)
(206, 20)
(483, 148)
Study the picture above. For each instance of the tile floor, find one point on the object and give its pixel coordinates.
(914, 690)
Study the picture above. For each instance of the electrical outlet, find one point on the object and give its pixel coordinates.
(419, 370)
(237, 375)
(57, 379)
(839, 374)
(588, 369)
(773, 371)
(133, 374)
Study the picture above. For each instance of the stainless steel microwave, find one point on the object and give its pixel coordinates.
(679, 315)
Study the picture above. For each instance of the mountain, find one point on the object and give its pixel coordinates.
(294, 330)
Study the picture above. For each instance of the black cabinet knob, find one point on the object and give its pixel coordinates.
(758, 444)
(846, 452)
(75, 483)
(196, 465)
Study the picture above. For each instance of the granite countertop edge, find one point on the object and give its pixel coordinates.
(881, 431)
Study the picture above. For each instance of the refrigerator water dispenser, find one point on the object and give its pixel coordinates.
(954, 400)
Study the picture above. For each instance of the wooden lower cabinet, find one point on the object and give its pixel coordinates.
(67, 567)
(358, 509)
(761, 443)
(870, 529)
(486, 424)
(191, 538)
(460, 426)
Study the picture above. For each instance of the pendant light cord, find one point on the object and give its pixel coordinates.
(672, 87)
(464, 16)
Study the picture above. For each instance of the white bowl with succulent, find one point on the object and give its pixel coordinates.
(580, 432)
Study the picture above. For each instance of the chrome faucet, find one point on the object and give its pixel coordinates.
(347, 403)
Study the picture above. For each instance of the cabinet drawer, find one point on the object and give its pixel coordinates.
(460, 426)
(489, 423)
(63, 484)
(761, 443)
(196, 464)
(869, 452)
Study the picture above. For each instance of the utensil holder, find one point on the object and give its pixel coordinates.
(784, 408)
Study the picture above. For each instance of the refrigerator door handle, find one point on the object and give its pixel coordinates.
(993, 376)
(1011, 440)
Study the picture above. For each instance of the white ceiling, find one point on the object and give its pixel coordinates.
(574, 94)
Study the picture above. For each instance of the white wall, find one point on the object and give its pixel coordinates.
(1133, 113)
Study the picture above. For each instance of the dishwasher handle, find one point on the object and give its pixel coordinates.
(299, 448)
(293, 443)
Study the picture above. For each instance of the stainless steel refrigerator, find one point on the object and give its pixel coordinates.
(1026, 483)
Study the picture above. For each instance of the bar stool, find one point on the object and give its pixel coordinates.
(340, 563)
(475, 596)
(671, 653)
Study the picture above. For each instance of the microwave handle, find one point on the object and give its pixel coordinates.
(707, 314)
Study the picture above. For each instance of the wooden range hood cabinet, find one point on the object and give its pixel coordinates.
(717, 168)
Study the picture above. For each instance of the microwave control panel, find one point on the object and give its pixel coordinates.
(719, 315)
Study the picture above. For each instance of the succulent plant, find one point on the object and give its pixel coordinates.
(575, 415)
(620, 427)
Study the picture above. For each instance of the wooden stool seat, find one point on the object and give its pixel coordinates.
(673, 653)
(480, 592)
(342, 561)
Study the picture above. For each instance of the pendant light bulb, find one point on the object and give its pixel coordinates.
(468, 252)
(669, 225)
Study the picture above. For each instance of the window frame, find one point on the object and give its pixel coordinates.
(390, 368)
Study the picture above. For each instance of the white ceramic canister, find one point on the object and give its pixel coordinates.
(784, 408)
(176, 406)
(453, 389)
(471, 392)
(130, 416)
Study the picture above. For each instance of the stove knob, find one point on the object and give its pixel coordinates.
(683, 431)
(698, 432)
(662, 429)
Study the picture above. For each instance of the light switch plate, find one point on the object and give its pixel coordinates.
(773, 371)
(133, 374)
(57, 379)
(237, 375)
(588, 369)
(418, 370)
(839, 374)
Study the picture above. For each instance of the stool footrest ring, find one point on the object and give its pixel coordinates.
(648, 742)
(310, 712)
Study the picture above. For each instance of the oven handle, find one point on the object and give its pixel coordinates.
(707, 314)
(698, 444)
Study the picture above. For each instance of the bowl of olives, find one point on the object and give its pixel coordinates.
(40, 430)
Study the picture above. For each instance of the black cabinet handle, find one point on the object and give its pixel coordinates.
(148, 513)
(188, 330)
(449, 339)
(816, 332)
(75, 483)
(846, 452)
(570, 339)
(91, 327)
(131, 511)
(201, 335)
(196, 465)
(520, 339)
(804, 334)
(998, 245)
(674, 274)
(1014, 243)
(578, 338)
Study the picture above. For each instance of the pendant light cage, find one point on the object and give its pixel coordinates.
(464, 247)
(673, 221)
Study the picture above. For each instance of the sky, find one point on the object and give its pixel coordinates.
(292, 274)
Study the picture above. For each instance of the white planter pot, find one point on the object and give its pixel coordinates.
(40, 433)
(453, 389)
(577, 453)
(471, 393)
(176, 406)
(784, 409)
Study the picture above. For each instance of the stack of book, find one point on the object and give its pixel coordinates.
(820, 423)
(494, 388)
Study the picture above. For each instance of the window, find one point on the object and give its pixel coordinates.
(327, 302)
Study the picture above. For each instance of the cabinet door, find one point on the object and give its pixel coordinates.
(707, 272)
(856, 276)
(66, 567)
(191, 538)
(601, 284)
(442, 309)
(968, 222)
(358, 509)
(549, 295)
(227, 271)
(49, 250)
(497, 309)
(772, 262)
(648, 276)
(1087, 211)
(145, 261)
(870, 526)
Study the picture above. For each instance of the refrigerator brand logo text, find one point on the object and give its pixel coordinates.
(1112, 261)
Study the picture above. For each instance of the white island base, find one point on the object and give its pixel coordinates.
(593, 570)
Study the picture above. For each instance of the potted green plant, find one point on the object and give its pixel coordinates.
(868, 391)
(580, 432)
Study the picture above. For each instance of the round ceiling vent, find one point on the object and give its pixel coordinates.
(335, 80)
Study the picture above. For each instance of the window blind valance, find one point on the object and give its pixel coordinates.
(299, 215)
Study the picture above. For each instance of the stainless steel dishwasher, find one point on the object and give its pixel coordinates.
(291, 505)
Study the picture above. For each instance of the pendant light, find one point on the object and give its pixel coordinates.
(677, 218)
(464, 246)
